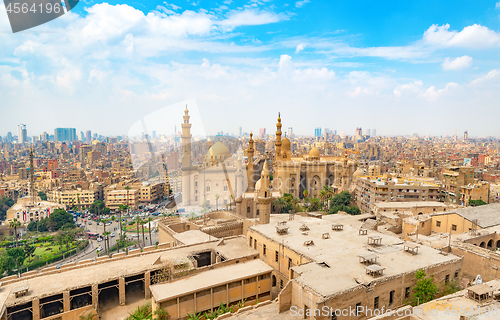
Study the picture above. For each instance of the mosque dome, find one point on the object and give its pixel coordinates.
(358, 173)
(314, 153)
(285, 144)
(217, 153)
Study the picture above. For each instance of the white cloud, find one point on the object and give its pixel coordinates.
(487, 77)
(300, 3)
(409, 88)
(459, 63)
(497, 5)
(433, 94)
(474, 36)
(251, 17)
(299, 48)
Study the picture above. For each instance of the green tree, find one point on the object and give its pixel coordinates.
(60, 218)
(280, 204)
(15, 224)
(425, 290)
(476, 203)
(88, 316)
(7, 263)
(17, 255)
(121, 208)
(5, 204)
(138, 221)
(149, 230)
(143, 312)
(42, 195)
(314, 205)
(343, 198)
(29, 250)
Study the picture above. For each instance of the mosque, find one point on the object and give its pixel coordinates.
(224, 179)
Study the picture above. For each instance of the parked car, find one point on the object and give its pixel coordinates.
(99, 239)
(112, 234)
(90, 222)
(99, 248)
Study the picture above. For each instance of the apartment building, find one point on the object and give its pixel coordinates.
(372, 190)
(79, 197)
(114, 198)
(453, 179)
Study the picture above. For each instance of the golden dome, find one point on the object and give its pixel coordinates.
(257, 184)
(285, 144)
(314, 153)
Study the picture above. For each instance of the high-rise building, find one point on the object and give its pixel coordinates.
(88, 136)
(262, 132)
(359, 132)
(374, 132)
(22, 136)
(290, 132)
(317, 132)
(82, 136)
(44, 136)
(65, 134)
(368, 131)
(154, 134)
(9, 136)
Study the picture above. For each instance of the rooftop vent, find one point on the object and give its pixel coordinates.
(281, 230)
(324, 264)
(308, 243)
(304, 228)
(325, 235)
(338, 227)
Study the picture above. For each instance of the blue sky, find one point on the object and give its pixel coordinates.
(430, 67)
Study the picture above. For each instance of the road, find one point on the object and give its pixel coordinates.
(114, 228)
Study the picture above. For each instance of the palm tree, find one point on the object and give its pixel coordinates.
(137, 222)
(15, 224)
(295, 204)
(322, 195)
(329, 193)
(121, 208)
(279, 204)
(127, 188)
(104, 224)
(217, 196)
(149, 226)
(88, 316)
(142, 227)
(106, 240)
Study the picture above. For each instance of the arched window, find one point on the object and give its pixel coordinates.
(482, 245)
(274, 281)
(490, 243)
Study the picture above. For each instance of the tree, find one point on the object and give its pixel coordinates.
(142, 227)
(42, 195)
(314, 205)
(217, 196)
(121, 208)
(476, 203)
(17, 255)
(88, 316)
(279, 204)
(425, 290)
(15, 224)
(137, 222)
(60, 218)
(29, 250)
(104, 221)
(143, 312)
(305, 193)
(149, 226)
(5, 204)
(106, 240)
(7, 263)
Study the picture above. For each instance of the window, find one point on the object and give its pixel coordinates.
(375, 303)
(407, 292)
(456, 274)
(264, 249)
(276, 256)
(358, 309)
(250, 244)
(289, 263)
(454, 227)
(281, 284)
(306, 311)
(438, 223)
(255, 244)
(391, 297)
(447, 278)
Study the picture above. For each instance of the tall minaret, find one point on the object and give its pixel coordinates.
(250, 151)
(186, 140)
(264, 200)
(186, 159)
(278, 137)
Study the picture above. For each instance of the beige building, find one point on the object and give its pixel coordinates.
(333, 262)
(70, 198)
(114, 198)
(373, 190)
(26, 210)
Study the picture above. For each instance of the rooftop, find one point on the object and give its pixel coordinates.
(412, 204)
(342, 250)
(193, 237)
(487, 215)
(208, 279)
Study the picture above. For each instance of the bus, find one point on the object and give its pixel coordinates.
(92, 235)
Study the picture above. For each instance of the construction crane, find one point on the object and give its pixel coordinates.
(353, 151)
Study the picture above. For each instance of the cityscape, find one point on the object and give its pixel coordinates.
(250, 160)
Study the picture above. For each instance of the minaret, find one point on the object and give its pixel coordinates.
(186, 140)
(278, 137)
(186, 159)
(264, 200)
(250, 151)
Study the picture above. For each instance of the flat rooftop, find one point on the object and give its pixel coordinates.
(459, 301)
(193, 237)
(208, 279)
(50, 284)
(341, 252)
(487, 215)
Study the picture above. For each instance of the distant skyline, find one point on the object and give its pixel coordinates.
(398, 67)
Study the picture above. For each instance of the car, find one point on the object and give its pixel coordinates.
(99, 239)
(135, 235)
(112, 234)
(99, 248)
(90, 222)
(100, 223)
